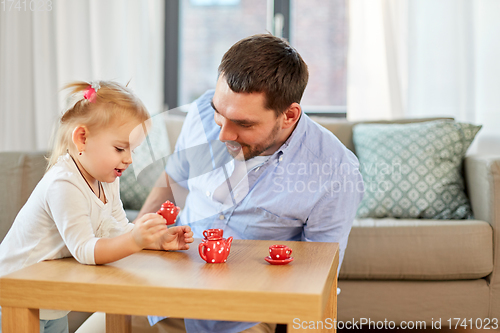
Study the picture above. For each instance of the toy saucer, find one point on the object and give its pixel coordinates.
(278, 261)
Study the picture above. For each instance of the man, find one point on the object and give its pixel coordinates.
(255, 165)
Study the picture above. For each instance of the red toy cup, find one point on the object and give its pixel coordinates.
(279, 252)
(209, 233)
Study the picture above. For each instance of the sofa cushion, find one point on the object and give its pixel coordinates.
(414, 170)
(149, 160)
(418, 250)
(342, 128)
(132, 193)
(174, 124)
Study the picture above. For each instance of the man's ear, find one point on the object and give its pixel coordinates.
(79, 137)
(291, 115)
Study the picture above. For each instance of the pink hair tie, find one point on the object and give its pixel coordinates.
(90, 93)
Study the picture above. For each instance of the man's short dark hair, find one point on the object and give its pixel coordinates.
(264, 63)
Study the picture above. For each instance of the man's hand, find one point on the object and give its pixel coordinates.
(176, 238)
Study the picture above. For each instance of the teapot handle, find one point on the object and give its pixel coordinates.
(228, 243)
(201, 250)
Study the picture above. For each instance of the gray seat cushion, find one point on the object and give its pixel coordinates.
(418, 250)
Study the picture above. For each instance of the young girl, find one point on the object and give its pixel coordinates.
(75, 210)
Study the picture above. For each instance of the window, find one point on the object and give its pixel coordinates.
(199, 32)
(319, 33)
(207, 32)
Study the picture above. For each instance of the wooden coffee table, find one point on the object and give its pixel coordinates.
(180, 284)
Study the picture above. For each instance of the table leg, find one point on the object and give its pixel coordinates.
(20, 320)
(116, 323)
(329, 320)
(331, 310)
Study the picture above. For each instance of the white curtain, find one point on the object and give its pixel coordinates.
(377, 67)
(40, 51)
(426, 58)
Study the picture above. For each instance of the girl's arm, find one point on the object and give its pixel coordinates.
(69, 207)
(112, 249)
(148, 230)
(177, 238)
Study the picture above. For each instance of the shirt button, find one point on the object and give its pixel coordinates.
(221, 217)
(281, 158)
(208, 193)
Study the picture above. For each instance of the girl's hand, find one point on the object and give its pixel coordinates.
(176, 238)
(149, 229)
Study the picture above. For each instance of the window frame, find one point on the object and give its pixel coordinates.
(172, 48)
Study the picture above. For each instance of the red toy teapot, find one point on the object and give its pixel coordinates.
(215, 249)
(169, 211)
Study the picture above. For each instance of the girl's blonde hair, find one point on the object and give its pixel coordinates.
(112, 102)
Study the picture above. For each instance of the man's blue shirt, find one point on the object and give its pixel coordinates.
(308, 190)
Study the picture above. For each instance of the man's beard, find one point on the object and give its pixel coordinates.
(252, 151)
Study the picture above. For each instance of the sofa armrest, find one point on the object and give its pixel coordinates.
(21, 171)
(482, 176)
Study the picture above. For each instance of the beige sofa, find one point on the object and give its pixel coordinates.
(425, 270)
(394, 270)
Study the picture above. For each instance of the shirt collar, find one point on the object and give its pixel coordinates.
(295, 138)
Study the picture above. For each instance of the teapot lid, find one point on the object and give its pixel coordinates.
(214, 237)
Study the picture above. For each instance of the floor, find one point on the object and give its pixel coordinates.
(428, 330)
(443, 329)
(79, 317)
